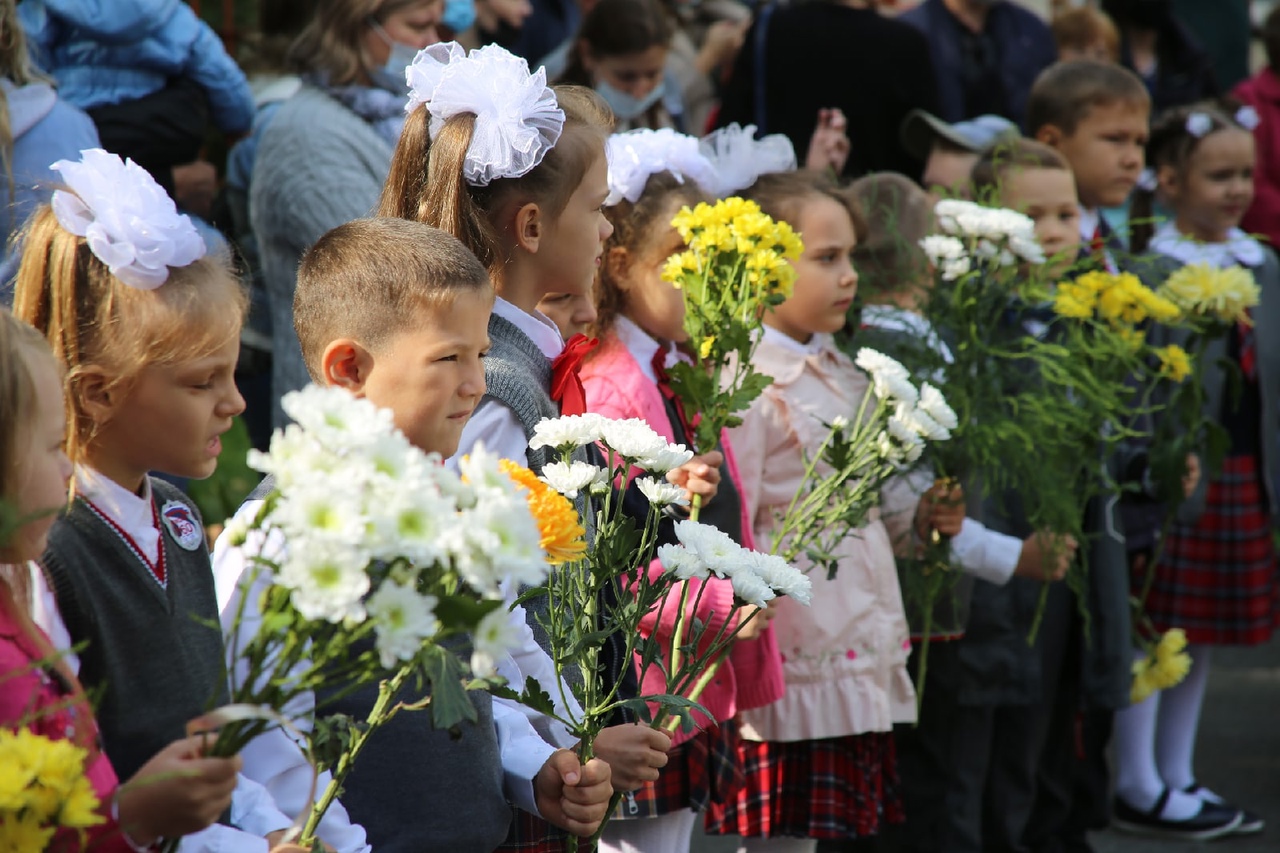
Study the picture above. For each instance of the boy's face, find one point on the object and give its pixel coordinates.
(430, 374)
(1106, 151)
(1048, 196)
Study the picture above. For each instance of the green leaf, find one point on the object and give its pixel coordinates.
(450, 704)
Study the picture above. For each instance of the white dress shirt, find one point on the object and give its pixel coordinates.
(253, 812)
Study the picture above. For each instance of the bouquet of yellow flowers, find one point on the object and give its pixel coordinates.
(43, 791)
(735, 267)
(1165, 665)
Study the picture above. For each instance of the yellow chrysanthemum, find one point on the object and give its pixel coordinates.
(1067, 303)
(563, 536)
(42, 788)
(1172, 663)
(708, 342)
(1225, 295)
(1131, 337)
(1175, 364)
(25, 833)
(1143, 683)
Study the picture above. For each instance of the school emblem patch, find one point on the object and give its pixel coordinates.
(181, 525)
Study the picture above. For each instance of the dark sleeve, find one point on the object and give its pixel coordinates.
(919, 88)
(737, 103)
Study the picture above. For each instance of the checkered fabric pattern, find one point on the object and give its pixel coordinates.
(833, 788)
(532, 833)
(699, 771)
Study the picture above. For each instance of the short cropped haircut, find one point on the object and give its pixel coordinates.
(898, 214)
(994, 167)
(782, 195)
(1082, 28)
(371, 278)
(1064, 93)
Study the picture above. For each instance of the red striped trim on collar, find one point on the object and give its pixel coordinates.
(157, 570)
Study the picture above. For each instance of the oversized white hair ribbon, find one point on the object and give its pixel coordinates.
(1199, 124)
(739, 158)
(1247, 117)
(517, 117)
(637, 155)
(128, 220)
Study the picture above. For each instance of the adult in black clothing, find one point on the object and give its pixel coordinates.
(1160, 49)
(833, 54)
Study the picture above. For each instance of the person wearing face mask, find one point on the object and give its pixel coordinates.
(324, 157)
(1161, 50)
(621, 51)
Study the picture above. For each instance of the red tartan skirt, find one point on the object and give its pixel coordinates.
(699, 771)
(1218, 580)
(530, 832)
(845, 787)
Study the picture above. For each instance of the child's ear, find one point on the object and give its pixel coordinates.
(346, 364)
(618, 263)
(1051, 135)
(529, 227)
(99, 397)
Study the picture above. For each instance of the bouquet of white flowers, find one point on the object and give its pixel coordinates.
(366, 559)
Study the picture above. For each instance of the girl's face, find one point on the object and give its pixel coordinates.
(43, 470)
(826, 281)
(569, 256)
(637, 74)
(1211, 194)
(573, 313)
(1048, 196)
(651, 303)
(170, 420)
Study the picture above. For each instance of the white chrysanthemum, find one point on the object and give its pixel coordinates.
(504, 543)
(681, 562)
(903, 431)
(480, 469)
(660, 492)
(494, 637)
(876, 363)
(335, 417)
(840, 422)
(325, 582)
(783, 578)
(392, 457)
(632, 439)
(887, 449)
(940, 248)
(888, 386)
(315, 509)
(671, 456)
(920, 423)
(567, 433)
(1027, 248)
(409, 525)
(717, 551)
(572, 478)
(954, 269)
(912, 453)
(402, 619)
(932, 402)
(751, 588)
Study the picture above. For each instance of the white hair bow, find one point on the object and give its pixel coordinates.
(517, 117)
(637, 155)
(128, 220)
(739, 158)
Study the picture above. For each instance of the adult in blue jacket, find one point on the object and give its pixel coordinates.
(985, 55)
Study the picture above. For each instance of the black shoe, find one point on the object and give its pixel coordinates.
(1212, 821)
(1250, 823)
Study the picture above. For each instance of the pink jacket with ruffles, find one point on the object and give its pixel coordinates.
(751, 676)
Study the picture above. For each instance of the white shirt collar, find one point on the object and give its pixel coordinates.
(891, 318)
(639, 343)
(537, 326)
(1238, 249)
(1089, 221)
(815, 345)
(131, 513)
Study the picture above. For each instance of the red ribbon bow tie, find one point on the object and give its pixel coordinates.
(566, 385)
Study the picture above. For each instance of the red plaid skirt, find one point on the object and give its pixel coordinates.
(1218, 580)
(530, 832)
(699, 771)
(845, 787)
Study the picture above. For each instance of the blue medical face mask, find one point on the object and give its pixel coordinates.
(391, 75)
(459, 15)
(625, 106)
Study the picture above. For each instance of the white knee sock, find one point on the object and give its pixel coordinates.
(778, 845)
(1138, 781)
(668, 833)
(1179, 721)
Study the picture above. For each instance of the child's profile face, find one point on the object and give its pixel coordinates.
(430, 374)
(1106, 151)
(651, 303)
(946, 172)
(574, 243)
(573, 313)
(43, 470)
(1048, 196)
(172, 418)
(826, 281)
(1212, 192)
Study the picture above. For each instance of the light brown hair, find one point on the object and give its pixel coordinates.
(89, 317)
(371, 278)
(899, 214)
(782, 195)
(20, 346)
(636, 229)
(1082, 28)
(329, 45)
(1065, 92)
(426, 183)
(993, 167)
(16, 66)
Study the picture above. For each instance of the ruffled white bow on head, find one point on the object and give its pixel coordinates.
(517, 117)
(739, 158)
(129, 222)
(637, 155)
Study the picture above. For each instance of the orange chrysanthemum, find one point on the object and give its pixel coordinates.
(563, 536)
